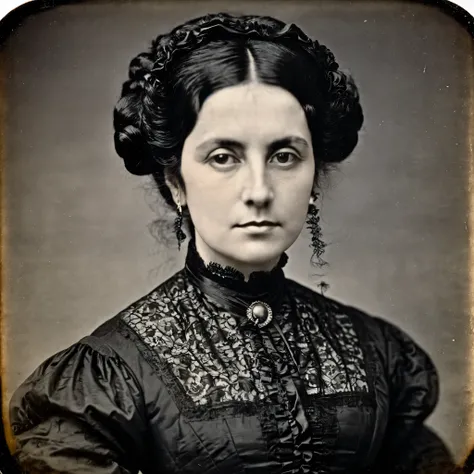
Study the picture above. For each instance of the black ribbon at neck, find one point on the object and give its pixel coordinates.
(231, 292)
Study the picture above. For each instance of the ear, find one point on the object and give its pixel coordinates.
(176, 192)
(314, 196)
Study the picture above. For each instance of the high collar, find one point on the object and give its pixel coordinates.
(228, 285)
(231, 278)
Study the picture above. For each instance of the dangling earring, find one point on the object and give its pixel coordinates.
(313, 225)
(178, 224)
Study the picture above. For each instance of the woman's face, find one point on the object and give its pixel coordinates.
(248, 170)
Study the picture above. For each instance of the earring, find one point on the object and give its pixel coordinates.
(315, 229)
(178, 224)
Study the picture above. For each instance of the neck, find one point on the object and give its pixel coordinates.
(209, 255)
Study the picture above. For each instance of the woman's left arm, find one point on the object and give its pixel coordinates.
(409, 446)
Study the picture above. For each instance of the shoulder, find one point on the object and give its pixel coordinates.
(388, 338)
(109, 348)
(105, 365)
(160, 300)
(409, 370)
(69, 380)
(122, 335)
(371, 325)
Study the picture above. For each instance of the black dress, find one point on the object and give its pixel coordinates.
(183, 382)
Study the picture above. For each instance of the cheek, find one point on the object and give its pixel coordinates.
(297, 211)
(296, 189)
(204, 191)
(208, 200)
(295, 202)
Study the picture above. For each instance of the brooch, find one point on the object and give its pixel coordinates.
(260, 313)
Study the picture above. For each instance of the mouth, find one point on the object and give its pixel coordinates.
(259, 224)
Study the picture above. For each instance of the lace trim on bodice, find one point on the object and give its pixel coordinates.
(217, 361)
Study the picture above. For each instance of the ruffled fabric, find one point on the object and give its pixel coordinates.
(79, 410)
(414, 392)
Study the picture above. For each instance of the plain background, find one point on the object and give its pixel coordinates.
(77, 248)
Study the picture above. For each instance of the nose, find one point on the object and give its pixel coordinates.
(257, 189)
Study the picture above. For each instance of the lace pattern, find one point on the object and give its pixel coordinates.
(209, 356)
(216, 360)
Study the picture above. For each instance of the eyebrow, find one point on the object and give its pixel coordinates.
(272, 146)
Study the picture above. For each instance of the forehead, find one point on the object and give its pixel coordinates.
(251, 110)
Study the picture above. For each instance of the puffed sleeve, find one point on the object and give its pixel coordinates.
(79, 412)
(409, 446)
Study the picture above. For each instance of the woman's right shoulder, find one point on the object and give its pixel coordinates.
(113, 343)
(123, 334)
(110, 356)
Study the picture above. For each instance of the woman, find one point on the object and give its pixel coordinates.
(228, 366)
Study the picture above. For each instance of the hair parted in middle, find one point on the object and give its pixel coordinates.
(169, 83)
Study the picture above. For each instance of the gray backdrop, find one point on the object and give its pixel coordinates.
(77, 248)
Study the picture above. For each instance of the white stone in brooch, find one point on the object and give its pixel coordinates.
(260, 313)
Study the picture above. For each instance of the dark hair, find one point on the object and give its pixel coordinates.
(168, 85)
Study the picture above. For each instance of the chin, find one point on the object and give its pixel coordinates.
(259, 252)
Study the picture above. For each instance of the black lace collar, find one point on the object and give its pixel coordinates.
(229, 287)
(231, 278)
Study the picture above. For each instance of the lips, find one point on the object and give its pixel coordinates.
(258, 224)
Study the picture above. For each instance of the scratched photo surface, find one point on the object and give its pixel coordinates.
(77, 246)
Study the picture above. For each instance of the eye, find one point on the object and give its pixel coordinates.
(223, 160)
(285, 158)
